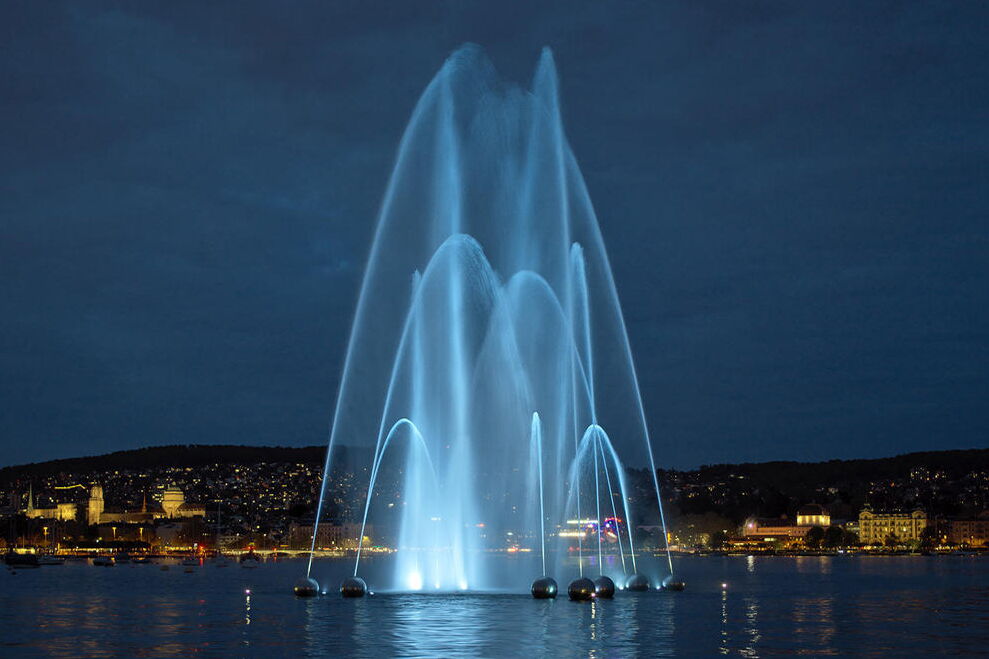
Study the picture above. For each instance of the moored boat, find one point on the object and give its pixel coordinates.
(104, 561)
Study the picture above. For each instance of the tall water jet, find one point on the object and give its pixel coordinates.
(494, 399)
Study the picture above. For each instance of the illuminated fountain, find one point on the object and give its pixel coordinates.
(488, 393)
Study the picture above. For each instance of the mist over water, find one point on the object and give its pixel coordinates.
(489, 371)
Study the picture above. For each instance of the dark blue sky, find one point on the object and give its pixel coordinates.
(794, 197)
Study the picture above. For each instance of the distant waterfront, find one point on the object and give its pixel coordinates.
(265, 497)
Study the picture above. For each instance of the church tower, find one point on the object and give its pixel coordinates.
(94, 510)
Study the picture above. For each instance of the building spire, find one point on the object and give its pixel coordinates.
(30, 496)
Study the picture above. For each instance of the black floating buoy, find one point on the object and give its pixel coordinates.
(544, 588)
(353, 587)
(604, 587)
(306, 587)
(581, 590)
(637, 582)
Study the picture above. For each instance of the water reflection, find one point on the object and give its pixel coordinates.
(724, 648)
(751, 629)
(846, 606)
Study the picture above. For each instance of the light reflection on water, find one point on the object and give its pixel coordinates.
(820, 606)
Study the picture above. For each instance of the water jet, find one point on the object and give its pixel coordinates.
(488, 381)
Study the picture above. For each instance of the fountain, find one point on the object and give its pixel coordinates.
(489, 402)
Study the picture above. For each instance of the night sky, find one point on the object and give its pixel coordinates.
(793, 195)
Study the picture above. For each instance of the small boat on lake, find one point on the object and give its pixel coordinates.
(50, 559)
(104, 561)
(250, 560)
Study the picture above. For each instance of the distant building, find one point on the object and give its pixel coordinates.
(96, 512)
(94, 507)
(813, 515)
(62, 512)
(973, 532)
(772, 529)
(174, 505)
(876, 526)
(780, 528)
(329, 535)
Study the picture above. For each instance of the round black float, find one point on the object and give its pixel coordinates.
(306, 587)
(544, 588)
(353, 587)
(604, 587)
(581, 590)
(670, 584)
(637, 582)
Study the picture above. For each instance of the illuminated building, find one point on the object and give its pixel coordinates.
(174, 505)
(972, 532)
(813, 515)
(61, 512)
(329, 535)
(94, 507)
(773, 529)
(875, 527)
(96, 512)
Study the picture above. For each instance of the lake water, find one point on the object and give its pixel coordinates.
(876, 606)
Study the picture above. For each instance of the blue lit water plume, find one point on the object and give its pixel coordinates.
(488, 394)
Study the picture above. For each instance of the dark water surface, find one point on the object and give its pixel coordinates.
(890, 606)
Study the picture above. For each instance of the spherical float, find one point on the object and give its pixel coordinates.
(581, 590)
(670, 584)
(637, 582)
(544, 588)
(307, 587)
(353, 587)
(604, 587)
